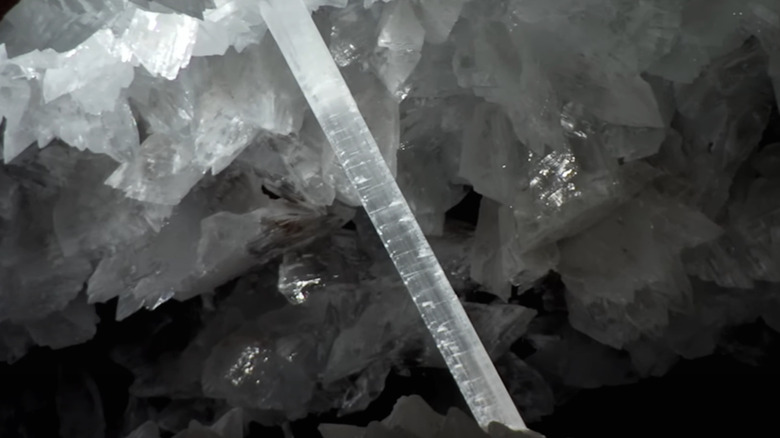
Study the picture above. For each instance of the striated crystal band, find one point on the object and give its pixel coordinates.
(291, 25)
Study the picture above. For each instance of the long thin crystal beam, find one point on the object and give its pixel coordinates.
(291, 25)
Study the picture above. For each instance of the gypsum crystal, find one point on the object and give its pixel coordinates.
(502, 99)
(337, 112)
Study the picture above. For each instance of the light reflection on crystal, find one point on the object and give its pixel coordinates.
(244, 366)
(554, 181)
(606, 154)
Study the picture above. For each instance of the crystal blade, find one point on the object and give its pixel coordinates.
(291, 25)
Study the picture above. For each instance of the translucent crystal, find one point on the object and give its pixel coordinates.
(645, 239)
(631, 147)
(200, 123)
(266, 368)
(429, 180)
(112, 132)
(722, 124)
(58, 25)
(499, 326)
(84, 74)
(499, 173)
(392, 217)
(401, 37)
(567, 356)
(234, 23)
(302, 273)
(152, 268)
(217, 248)
(162, 43)
(352, 34)
(92, 218)
(438, 18)
(292, 168)
(159, 172)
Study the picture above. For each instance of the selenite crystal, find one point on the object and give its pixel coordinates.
(618, 162)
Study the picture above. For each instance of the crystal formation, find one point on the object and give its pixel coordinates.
(345, 128)
(160, 153)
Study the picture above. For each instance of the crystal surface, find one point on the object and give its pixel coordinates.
(610, 165)
(356, 148)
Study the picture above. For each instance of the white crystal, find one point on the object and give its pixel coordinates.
(160, 173)
(93, 73)
(111, 131)
(231, 23)
(162, 43)
(92, 218)
(62, 26)
(606, 138)
(401, 37)
(337, 112)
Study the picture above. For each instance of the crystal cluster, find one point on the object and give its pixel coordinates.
(158, 150)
